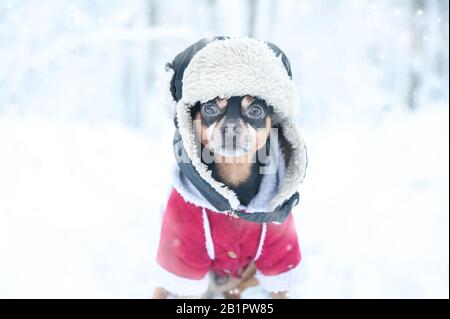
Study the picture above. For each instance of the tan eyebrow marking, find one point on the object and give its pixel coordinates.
(221, 103)
(246, 102)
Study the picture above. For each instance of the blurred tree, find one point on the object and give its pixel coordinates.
(213, 21)
(442, 61)
(273, 13)
(252, 12)
(153, 13)
(417, 16)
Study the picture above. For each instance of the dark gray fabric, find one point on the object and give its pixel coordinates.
(279, 215)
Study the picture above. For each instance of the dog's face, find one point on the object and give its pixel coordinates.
(233, 127)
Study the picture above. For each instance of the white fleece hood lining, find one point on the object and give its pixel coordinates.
(238, 67)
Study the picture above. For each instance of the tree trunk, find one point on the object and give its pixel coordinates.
(252, 8)
(417, 43)
(213, 14)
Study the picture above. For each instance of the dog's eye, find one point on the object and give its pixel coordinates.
(255, 111)
(210, 109)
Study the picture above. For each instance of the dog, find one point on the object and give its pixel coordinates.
(228, 225)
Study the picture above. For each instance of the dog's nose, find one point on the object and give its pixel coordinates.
(231, 128)
(237, 129)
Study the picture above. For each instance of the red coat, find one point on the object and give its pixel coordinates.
(195, 240)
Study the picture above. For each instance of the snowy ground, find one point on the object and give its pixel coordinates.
(80, 208)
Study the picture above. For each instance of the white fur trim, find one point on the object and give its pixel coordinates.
(282, 282)
(208, 237)
(261, 241)
(179, 285)
(189, 193)
(296, 168)
(238, 67)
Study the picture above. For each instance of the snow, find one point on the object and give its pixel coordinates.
(374, 220)
(80, 208)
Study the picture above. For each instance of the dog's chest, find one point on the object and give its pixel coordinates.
(246, 190)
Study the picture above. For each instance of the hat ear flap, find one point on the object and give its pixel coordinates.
(286, 64)
(284, 59)
(181, 62)
(170, 69)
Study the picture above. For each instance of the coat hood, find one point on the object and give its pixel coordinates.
(225, 67)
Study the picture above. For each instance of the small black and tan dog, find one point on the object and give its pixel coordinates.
(228, 223)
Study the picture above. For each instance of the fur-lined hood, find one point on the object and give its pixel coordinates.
(224, 67)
